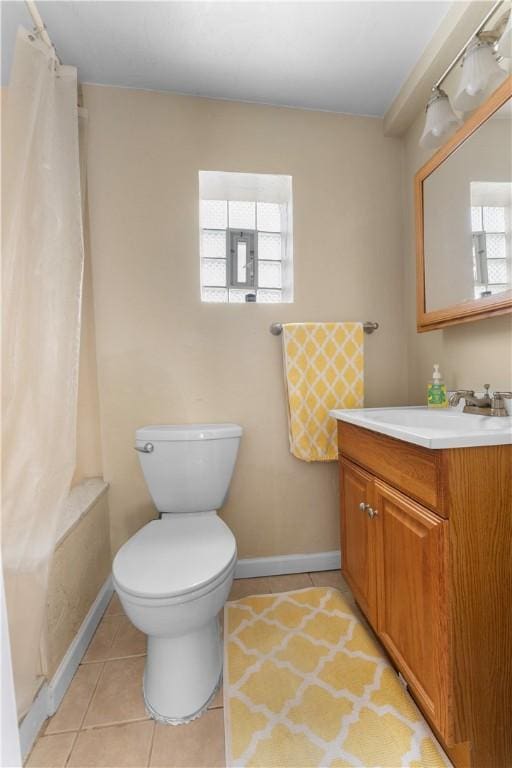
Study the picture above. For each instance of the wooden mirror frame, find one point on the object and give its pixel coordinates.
(474, 309)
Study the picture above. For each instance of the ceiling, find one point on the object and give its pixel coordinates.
(345, 56)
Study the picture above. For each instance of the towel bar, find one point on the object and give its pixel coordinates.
(368, 327)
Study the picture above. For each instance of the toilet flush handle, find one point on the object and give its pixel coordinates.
(146, 448)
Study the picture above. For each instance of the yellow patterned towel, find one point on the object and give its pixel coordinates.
(305, 685)
(323, 365)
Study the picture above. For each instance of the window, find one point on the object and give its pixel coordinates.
(490, 267)
(246, 238)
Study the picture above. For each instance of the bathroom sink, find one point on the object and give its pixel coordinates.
(449, 428)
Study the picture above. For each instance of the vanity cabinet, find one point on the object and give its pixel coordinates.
(393, 560)
(426, 540)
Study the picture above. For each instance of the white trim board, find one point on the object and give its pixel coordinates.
(10, 753)
(251, 567)
(62, 678)
(32, 722)
(51, 694)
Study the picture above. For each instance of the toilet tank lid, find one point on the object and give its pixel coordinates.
(172, 432)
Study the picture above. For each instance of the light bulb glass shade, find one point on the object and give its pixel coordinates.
(440, 122)
(505, 41)
(481, 74)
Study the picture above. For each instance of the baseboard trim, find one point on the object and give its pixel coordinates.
(51, 694)
(33, 721)
(62, 678)
(275, 566)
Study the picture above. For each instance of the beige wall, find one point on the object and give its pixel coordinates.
(471, 354)
(165, 357)
(80, 566)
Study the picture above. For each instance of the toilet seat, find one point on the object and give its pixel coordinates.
(175, 556)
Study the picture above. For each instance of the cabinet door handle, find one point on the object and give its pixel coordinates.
(367, 508)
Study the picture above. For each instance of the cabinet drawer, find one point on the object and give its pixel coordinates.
(412, 469)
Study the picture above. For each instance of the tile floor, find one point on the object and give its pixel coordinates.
(102, 721)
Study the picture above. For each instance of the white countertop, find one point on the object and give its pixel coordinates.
(430, 427)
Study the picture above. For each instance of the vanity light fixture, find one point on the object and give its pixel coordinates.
(440, 121)
(481, 74)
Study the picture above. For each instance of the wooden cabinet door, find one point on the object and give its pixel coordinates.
(412, 599)
(358, 536)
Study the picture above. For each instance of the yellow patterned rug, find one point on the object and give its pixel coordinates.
(305, 684)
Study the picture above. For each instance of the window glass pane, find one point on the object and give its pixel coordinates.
(213, 244)
(217, 295)
(269, 274)
(494, 219)
(242, 215)
(269, 246)
(495, 246)
(269, 217)
(241, 261)
(237, 295)
(269, 297)
(213, 214)
(497, 270)
(476, 219)
(213, 272)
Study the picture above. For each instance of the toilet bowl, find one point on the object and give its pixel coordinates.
(174, 575)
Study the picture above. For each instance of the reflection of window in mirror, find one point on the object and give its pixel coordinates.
(491, 234)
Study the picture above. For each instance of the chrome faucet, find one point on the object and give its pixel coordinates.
(488, 405)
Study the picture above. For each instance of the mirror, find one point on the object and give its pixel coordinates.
(464, 220)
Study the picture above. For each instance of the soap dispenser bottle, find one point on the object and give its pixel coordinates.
(436, 392)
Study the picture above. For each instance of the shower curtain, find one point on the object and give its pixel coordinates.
(42, 246)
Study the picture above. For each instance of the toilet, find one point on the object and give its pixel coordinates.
(174, 575)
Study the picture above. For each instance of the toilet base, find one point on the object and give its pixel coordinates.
(179, 720)
(183, 674)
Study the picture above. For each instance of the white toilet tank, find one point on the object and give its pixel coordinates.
(188, 467)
